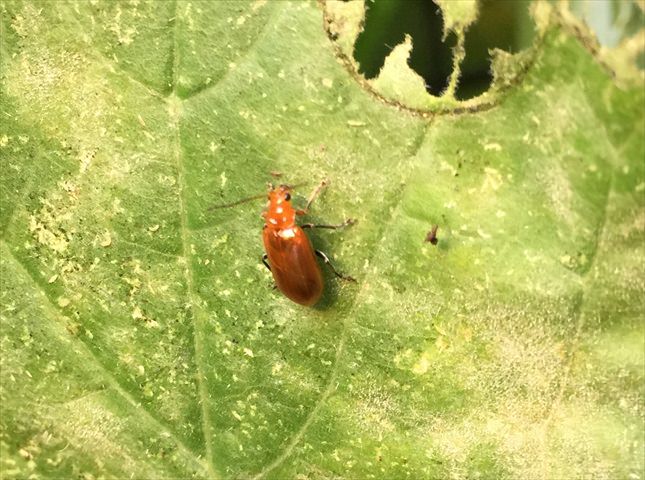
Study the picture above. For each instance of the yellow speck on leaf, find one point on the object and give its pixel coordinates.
(492, 180)
(106, 239)
(137, 314)
(258, 4)
(423, 365)
(276, 368)
(495, 147)
(441, 343)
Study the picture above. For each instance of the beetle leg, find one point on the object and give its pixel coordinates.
(264, 260)
(346, 223)
(328, 262)
(312, 197)
(315, 193)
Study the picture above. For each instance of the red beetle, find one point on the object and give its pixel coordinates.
(291, 258)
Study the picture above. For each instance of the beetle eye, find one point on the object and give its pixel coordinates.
(287, 197)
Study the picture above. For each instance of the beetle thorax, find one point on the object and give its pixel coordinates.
(280, 214)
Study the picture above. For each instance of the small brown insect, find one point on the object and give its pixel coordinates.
(432, 235)
(289, 254)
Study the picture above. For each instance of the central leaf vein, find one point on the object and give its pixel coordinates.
(331, 384)
(174, 111)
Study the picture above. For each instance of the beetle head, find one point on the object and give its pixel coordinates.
(279, 195)
(280, 213)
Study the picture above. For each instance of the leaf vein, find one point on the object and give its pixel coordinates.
(198, 343)
(331, 384)
(206, 88)
(578, 307)
(87, 352)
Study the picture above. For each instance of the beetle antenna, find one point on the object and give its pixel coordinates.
(295, 185)
(237, 202)
(270, 186)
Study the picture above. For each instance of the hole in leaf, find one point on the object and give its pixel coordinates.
(503, 24)
(640, 60)
(385, 26)
(612, 21)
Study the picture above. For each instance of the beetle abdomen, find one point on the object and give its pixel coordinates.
(293, 264)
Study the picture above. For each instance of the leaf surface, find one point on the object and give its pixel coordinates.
(140, 334)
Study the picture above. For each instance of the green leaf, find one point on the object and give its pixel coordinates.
(141, 337)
